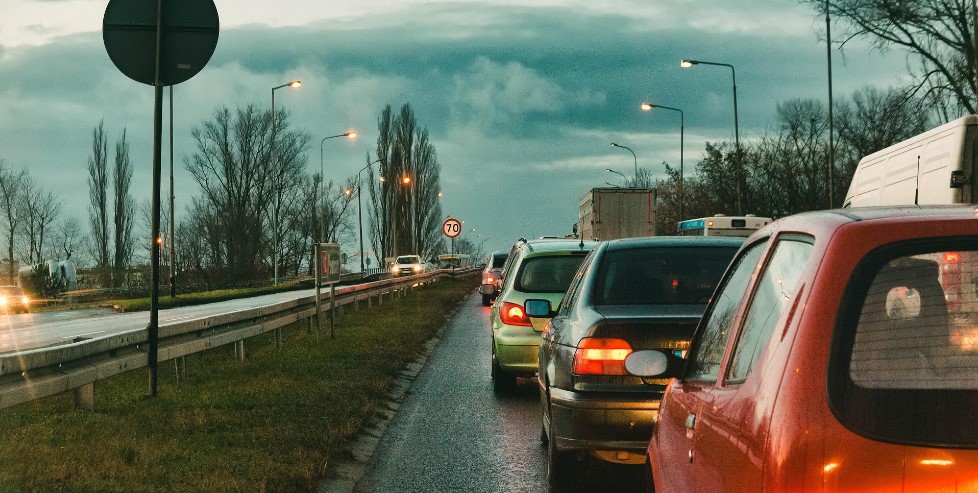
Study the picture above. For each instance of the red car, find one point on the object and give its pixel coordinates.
(837, 355)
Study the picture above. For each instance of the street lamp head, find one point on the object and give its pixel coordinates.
(439, 194)
(352, 134)
(614, 145)
(406, 180)
(647, 106)
(687, 63)
(295, 83)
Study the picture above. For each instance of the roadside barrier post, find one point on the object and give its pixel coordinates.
(85, 397)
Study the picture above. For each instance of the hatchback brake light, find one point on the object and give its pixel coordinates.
(513, 314)
(601, 356)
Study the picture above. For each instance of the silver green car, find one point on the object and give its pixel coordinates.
(538, 269)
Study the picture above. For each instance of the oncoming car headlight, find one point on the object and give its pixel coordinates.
(417, 268)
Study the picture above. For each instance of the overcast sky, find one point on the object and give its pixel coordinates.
(521, 98)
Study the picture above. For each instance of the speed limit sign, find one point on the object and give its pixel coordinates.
(451, 227)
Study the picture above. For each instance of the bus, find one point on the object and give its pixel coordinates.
(455, 261)
(721, 225)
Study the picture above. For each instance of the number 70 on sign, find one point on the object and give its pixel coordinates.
(451, 227)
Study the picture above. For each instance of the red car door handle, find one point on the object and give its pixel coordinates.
(691, 421)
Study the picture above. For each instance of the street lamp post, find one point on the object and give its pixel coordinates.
(828, 50)
(360, 209)
(623, 177)
(352, 134)
(740, 171)
(294, 83)
(408, 182)
(648, 107)
(633, 157)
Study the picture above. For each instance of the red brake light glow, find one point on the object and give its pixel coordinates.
(951, 257)
(601, 356)
(513, 314)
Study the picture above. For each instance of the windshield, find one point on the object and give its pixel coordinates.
(660, 276)
(409, 259)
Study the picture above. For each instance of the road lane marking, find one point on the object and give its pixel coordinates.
(83, 335)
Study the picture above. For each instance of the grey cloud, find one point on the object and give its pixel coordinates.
(511, 96)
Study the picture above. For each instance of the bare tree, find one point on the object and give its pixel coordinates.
(98, 192)
(939, 37)
(243, 192)
(67, 239)
(406, 214)
(11, 190)
(124, 210)
(873, 120)
(40, 210)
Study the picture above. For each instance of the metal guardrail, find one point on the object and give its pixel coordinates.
(43, 372)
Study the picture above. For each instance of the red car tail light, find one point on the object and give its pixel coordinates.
(601, 356)
(513, 314)
(488, 280)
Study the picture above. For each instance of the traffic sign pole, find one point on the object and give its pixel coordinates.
(154, 296)
(138, 46)
(451, 228)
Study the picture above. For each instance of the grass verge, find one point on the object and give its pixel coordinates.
(270, 423)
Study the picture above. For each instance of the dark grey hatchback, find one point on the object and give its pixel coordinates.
(628, 295)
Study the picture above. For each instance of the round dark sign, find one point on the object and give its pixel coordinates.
(189, 37)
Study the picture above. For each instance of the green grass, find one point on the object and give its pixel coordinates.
(270, 423)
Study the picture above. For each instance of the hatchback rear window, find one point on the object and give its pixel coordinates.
(905, 367)
(498, 261)
(660, 275)
(551, 274)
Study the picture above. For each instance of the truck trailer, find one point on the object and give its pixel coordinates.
(612, 213)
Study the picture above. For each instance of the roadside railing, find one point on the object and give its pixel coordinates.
(37, 373)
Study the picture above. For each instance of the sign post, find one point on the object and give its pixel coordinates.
(452, 228)
(159, 43)
(328, 270)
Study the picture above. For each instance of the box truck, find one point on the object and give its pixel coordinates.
(612, 213)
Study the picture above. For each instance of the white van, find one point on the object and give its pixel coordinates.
(935, 167)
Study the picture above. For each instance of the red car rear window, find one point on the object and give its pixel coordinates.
(905, 363)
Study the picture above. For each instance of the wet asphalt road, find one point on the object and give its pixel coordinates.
(453, 434)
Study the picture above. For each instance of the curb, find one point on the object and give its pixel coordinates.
(347, 472)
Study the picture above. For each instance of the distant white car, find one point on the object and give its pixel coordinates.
(407, 265)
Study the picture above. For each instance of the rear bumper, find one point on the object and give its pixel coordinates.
(487, 289)
(602, 422)
(518, 359)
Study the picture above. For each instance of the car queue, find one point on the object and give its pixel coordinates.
(831, 351)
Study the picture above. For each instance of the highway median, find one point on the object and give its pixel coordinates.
(272, 422)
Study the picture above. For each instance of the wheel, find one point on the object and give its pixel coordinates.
(647, 477)
(502, 382)
(561, 473)
(486, 300)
